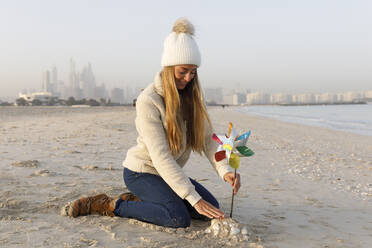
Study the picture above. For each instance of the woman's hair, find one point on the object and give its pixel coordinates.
(189, 102)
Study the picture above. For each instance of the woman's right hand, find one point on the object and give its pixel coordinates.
(205, 208)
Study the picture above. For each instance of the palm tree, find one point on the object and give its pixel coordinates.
(70, 101)
(21, 102)
(103, 101)
(36, 102)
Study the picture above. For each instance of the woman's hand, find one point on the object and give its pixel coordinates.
(205, 208)
(229, 177)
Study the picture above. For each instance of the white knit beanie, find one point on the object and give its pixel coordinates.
(180, 47)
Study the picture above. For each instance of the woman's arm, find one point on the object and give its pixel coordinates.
(224, 170)
(150, 128)
(210, 149)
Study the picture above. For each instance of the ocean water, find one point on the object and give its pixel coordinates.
(356, 118)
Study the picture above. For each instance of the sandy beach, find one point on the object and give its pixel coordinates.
(304, 187)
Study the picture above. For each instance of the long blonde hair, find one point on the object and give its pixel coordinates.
(189, 102)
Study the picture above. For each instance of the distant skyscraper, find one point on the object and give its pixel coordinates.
(228, 99)
(368, 94)
(239, 98)
(74, 81)
(117, 95)
(213, 95)
(54, 81)
(304, 98)
(281, 98)
(258, 98)
(46, 85)
(128, 98)
(62, 90)
(351, 96)
(100, 92)
(88, 81)
(72, 73)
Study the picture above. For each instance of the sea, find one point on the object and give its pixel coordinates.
(355, 118)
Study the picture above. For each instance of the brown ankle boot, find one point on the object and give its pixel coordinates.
(99, 204)
(129, 196)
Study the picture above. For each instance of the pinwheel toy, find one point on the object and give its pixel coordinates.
(232, 147)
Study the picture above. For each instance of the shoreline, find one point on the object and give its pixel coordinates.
(324, 118)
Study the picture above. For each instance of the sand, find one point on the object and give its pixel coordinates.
(304, 187)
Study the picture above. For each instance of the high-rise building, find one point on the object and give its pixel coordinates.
(258, 98)
(304, 98)
(54, 81)
(128, 94)
(368, 94)
(326, 98)
(213, 95)
(88, 81)
(100, 92)
(239, 98)
(351, 96)
(280, 98)
(46, 85)
(74, 79)
(72, 73)
(228, 99)
(117, 95)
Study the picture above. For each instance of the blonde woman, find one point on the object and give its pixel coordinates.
(171, 122)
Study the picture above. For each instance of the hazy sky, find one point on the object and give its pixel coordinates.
(266, 45)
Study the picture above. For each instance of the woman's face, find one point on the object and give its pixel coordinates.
(183, 75)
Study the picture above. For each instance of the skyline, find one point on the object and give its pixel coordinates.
(269, 46)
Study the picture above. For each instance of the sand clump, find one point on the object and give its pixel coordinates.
(27, 163)
(228, 228)
(220, 233)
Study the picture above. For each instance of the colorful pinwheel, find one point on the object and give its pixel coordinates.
(232, 147)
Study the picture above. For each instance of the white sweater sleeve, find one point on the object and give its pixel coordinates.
(150, 127)
(210, 149)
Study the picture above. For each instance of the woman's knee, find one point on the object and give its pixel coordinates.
(179, 215)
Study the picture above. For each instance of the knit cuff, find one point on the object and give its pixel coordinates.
(222, 170)
(193, 198)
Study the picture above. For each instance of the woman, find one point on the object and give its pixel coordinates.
(171, 121)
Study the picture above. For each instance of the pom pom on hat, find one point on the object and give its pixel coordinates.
(182, 25)
(180, 47)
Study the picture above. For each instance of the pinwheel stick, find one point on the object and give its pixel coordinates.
(232, 198)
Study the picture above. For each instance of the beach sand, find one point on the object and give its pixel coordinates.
(304, 187)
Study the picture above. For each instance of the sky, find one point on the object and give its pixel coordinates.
(262, 45)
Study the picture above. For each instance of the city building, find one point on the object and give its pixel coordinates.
(117, 95)
(74, 81)
(306, 98)
(280, 98)
(213, 95)
(46, 84)
(100, 92)
(228, 99)
(44, 97)
(54, 81)
(258, 98)
(88, 82)
(368, 94)
(239, 98)
(351, 96)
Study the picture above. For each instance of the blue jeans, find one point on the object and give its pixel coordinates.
(159, 204)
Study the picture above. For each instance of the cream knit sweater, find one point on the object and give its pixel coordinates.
(152, 153)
